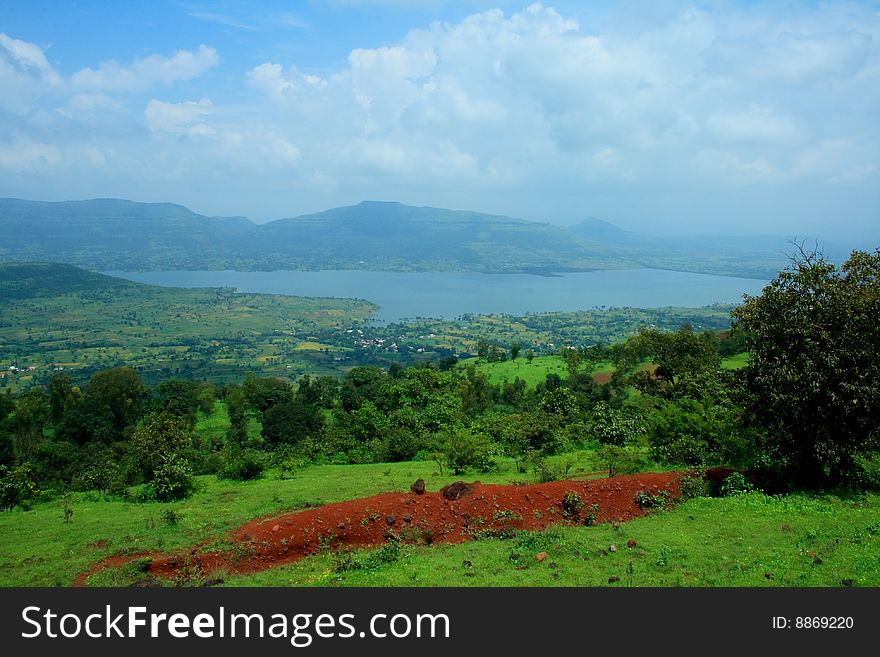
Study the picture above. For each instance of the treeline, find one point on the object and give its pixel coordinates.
(115, 432)
(803, 413)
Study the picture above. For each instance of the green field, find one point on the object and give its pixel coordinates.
(745, 540)
(59, 316)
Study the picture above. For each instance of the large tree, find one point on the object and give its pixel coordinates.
(814, 371)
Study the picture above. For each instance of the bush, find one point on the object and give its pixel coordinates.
(459, 449)
(172, 479)
(693, 485)
(735, 483)
(241, 464)
(18, 486)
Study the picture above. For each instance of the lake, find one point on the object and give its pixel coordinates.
(448, 295)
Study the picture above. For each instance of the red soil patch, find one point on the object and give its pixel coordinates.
(265, 543)
(602, 377)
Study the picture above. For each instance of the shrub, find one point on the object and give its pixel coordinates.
(172, 479)
(693, 485)
(18, 486)
(572, 505)
(241, 464)
(735, 483)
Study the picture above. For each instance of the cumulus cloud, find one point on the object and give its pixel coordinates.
(144, 73)
(183, 117)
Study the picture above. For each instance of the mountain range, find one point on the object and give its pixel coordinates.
(113, 234)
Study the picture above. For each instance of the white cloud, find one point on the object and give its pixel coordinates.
(28, 57)
(22, 157)
(144, 73)
(183, 117)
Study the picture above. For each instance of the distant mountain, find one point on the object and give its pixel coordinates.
(110, 234)
(389, 235)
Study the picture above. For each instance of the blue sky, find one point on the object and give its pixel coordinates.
(663, 117)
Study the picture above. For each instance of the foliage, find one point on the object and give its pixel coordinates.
(462, 450)
(18, 486)
(814, 377)
(734, 484)
(241, 464)
(162, 450)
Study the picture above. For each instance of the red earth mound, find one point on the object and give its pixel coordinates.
(452, 515)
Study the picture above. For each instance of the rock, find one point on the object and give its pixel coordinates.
(768, 574)
(612, 548)
(846, 582)
(276, 528)
(541, 556)
(786, 527)
(390, 519)
(467, 564)
(407, 518)
(613, 579)
(146, 583)
(456, 490)
(212, 582)
(418, 487)
(631, 543)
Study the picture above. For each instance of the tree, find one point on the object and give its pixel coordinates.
(121, 392)
(31, 417)
(162, 447)
(814, 375)
(63, 395)
(530, 356)
(514, 350)
(291, 421)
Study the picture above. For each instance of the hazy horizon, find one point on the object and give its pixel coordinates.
(718, 118)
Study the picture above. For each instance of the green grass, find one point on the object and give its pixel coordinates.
(735, 362)
(749, 540)
(704, 542)
(37, 548)
(532, 373)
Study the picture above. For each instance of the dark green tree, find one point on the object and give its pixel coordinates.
(814, 374)
(121, 392)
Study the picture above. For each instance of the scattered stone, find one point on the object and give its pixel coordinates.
(456, 490)
(467, 564)
(246, 537)
(691, 518)
(146, 583)
(846, 582)
(540, 556)
(341, 525)
(212, 582)
(555, 575)
(768, 574)
(612, 548)
(552, 565)
(514, 556)
(613, 579)
(276, 528)
(407, 518)
(817, 561)
(786, 528)
(418, 487)
(390, 519)
(469, 574)
(631, 543)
